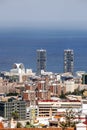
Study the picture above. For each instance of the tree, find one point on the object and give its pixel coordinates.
(15, 115)
(12, 94)
(19, 125)
(69, 117)
(62, 96)
(28, 125)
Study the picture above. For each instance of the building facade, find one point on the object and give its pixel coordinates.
(68, 61)
(84, 78)
(53, 107)
(41, 60)
(7, 107)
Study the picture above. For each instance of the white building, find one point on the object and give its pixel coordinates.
(18, 68)
(70, 85)
(84, 106)
(20, 71)
(80, 126)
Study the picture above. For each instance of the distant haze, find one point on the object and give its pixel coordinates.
(61, 14)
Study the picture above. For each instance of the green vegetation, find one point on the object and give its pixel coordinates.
(15, 115)
(69, 117)
(12, 94)
(62, 96)
(28, 125)
(76, 92)
(19, 125)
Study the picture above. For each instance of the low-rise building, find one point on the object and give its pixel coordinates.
(47, 107)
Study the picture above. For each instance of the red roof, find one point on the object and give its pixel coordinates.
(85, 122)
(1, 125)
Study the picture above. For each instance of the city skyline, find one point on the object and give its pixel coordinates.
(38, 86)
(21, 46)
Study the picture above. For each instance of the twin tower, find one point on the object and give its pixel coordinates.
(68, 60)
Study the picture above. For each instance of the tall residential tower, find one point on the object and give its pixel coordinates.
(41, 60)
(68, 61)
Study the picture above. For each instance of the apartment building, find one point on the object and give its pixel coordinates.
(12, 105)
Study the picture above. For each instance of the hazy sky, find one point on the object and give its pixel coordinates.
(43, 13)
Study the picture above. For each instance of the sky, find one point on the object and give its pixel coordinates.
(61, 14)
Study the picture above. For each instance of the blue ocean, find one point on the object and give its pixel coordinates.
(19, 46)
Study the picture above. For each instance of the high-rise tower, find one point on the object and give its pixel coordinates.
(68, 61)
(41, 60)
